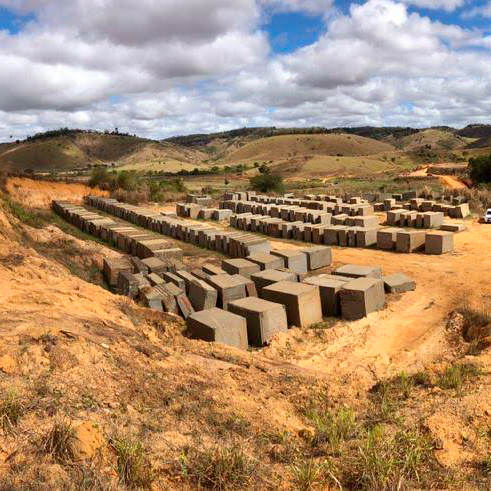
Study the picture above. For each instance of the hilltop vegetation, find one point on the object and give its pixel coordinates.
(300, 152)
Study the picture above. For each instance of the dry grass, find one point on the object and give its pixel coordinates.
(12, 408)
(218, 468)
(58, 442)
(133, 468)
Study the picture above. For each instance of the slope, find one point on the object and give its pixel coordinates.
(294, 146)
(434, 139)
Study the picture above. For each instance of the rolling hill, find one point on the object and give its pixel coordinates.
(304, 152)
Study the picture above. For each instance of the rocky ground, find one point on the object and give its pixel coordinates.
(99, 393)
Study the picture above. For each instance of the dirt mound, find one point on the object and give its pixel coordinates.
(40, 194)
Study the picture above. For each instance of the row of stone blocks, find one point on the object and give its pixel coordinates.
(303, 211)
(197, 212)
(351, 292)
(126, 238)
(234, 244)
(420, 205)
(199, 199)
(365, 234)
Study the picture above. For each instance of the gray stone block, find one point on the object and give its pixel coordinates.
(361, 297)
(212, 269)
(155, 279)
(439, 242)
(187, 277)
(398, 283)
(317, 257)
(410, 241)
(228, 287)
(217, 325)
(366, 237)
(266, 260)
(270, 276)
(329, 291)
(202, 295)
(240, 266)
(155, 265)
(113, 266)
(264, 319)
(386, 238)
(294, 260)
(453, 227)
(302, 302)
(356, 271)
(175, 279)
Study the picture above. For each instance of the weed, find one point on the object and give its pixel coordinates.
(310, 474)
(386, 462)
(218, 468)
(333, 429)
(454, 376)
(11, 410)
(59, 442)
(31, 218)
(133, 466)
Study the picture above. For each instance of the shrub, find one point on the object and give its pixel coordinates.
(480, 169)
(265, 183)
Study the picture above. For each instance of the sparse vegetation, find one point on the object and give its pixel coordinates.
(217, 468)
(59, 442)
(12, 408)
(456, 375)
(133, 466)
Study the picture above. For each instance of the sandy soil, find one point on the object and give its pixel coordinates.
(142, 359)
(448, 181)
(39, 195)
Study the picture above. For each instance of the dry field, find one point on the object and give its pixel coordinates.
(98, 393)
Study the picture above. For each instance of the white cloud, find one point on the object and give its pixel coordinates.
(448, 5)
(87, 64)
(481, 11)
(320, 7)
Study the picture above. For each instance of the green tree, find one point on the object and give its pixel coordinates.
(480, 169)
(267, 182)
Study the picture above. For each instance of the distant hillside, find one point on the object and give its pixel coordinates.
(293, 146)
(436, 139)
(475, 131)
(308, 151)
(81, 149)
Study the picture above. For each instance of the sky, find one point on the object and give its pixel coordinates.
(159, 68)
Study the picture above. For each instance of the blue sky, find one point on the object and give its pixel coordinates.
(148, 67)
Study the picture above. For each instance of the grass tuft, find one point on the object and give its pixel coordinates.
(59, 442)
(218, 468)
(456, 375)
(386, 462)
(332, 428)
(134, 469)
(310, 474)
(11, 410)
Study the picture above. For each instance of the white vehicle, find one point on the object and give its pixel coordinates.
(487, 216)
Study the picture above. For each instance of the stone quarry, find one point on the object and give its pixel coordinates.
(256, 290)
